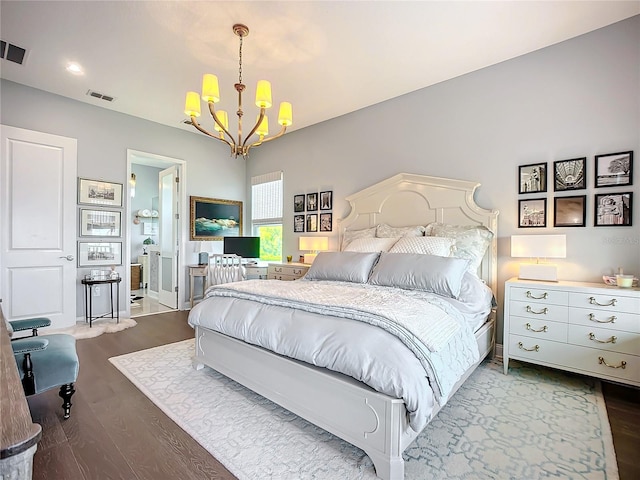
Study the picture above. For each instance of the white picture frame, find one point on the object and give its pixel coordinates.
(92, 254)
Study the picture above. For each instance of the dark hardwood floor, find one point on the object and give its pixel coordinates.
(115, 432)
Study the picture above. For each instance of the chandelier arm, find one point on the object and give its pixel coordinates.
(255, 127)
(195, 123)
(232, 144)
(265, 140)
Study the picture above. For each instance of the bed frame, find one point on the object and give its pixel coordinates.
(374, 422)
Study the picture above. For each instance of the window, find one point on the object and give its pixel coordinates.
(266, 214)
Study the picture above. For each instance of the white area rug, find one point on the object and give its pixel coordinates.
(104, 325)
(534, 423)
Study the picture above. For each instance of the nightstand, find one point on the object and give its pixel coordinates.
(587, 328)
(198, 271)
(286, 271)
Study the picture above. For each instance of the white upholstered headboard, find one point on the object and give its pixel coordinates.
(406, 199)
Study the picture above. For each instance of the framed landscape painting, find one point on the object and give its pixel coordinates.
(214, 219)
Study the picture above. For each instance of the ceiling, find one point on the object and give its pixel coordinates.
(327, 58)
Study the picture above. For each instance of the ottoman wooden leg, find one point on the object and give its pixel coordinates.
(66, 391)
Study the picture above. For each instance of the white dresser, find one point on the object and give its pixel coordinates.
(286, 271)
(587, 328)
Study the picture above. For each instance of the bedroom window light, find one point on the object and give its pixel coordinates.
(266, 214)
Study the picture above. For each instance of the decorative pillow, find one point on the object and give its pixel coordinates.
(342, 266)
(471, 241)
(387, 231)
(429, 273)
(371, 245)
(439, 246)
(351, 235)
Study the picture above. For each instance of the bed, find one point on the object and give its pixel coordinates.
(382, 425)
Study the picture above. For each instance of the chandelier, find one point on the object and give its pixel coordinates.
(211, 95)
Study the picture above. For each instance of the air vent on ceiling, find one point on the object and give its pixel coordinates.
(101, 96)
(12, 52)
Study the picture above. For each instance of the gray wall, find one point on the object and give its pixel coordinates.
(103, 139)
(578, 98)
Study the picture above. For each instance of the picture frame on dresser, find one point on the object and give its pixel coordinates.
(532, 213)
(613, 209)
(570, 174)
(614, 169)
(532, 178)
(570, 211)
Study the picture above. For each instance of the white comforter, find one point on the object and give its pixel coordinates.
(405, 344)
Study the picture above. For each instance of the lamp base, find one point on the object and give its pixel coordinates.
(309, 258)
(538, 271)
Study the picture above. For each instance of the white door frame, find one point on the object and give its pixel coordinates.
(161, 161)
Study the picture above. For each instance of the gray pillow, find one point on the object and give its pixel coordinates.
(429, 273)
(342, 266)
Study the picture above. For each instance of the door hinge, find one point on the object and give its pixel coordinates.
(176, 290)
(177, 216)
(177, 179)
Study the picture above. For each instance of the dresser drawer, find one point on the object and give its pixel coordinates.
(286, 272)
(609, 300)
(627, 322)
(535, 328)
(605, 339)
(281, 276)
(538, 310)
(531, 294)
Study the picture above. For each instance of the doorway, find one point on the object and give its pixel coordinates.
(156, 235)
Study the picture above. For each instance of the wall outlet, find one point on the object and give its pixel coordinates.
(96, 291)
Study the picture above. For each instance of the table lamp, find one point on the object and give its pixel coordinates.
(538, 247)
(313, 245)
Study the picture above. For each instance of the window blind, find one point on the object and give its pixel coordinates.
(266, 199)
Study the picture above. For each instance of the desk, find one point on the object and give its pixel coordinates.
(89, 283)
(198, 271)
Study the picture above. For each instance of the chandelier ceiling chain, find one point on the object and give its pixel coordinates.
(211, 95)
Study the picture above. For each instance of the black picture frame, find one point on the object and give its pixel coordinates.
(312, 222)
(326, 222)
(214, 219)
(570, 211)
(298, 223)
(312, 202)
(613, 209)
(298, 203)
(532, 178)
(614, 169)
(532, 213)
(570, 174)
(326, 200)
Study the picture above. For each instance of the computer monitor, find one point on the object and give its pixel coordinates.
(245, 247)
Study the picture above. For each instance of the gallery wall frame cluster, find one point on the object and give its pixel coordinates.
(610, 209)
(100, 216)
(311, 212)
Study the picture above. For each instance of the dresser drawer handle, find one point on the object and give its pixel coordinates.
(541, 297)
(612, 302)
(541, 312)
(611, 319)
(592, 336)
(543, 329)
(277, 269)
(535, 348)
(622, 365)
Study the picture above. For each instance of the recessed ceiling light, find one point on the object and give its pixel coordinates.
(75, 68)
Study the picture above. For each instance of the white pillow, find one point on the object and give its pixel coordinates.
(342, 266)
(471, 241)
(370, 245)
(387, 231)
(429, 273)
(440, 246)
(351, 235)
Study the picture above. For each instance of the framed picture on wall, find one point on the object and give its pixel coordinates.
(614, 169)
(298, 203)
(214, 219)
(570, 174)
(326, 200)
(569, 211)
(312, 222)
(98, 192)
(613, 209)
(326, 222)
(532, 213)
(533, 178)
(92, 254)
(298, 223)
(100, 223)
(312, 202)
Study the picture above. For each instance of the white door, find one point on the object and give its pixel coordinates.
(38, 222)
(168, 234)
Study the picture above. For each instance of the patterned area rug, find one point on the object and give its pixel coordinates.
(534, 423)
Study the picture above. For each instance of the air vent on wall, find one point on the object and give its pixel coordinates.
(13, 53)
(101, 96)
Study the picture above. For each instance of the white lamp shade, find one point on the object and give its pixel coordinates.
(539, 246)
(313, 244)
